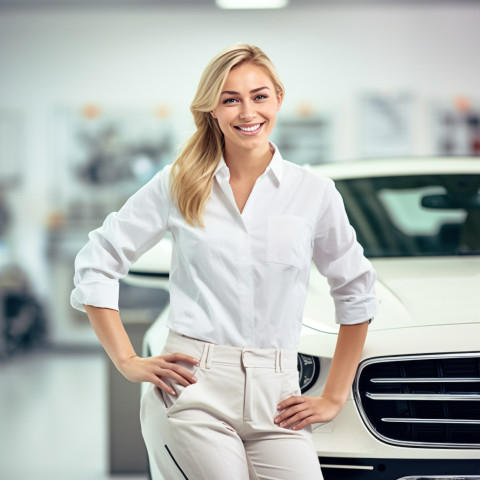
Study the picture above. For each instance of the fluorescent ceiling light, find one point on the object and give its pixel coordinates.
(251, 4)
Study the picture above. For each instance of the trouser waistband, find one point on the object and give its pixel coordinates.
(210, 354)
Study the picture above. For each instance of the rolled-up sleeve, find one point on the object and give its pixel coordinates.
(339, 257)
(124, 236)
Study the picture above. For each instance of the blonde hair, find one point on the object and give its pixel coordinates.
(192, 172)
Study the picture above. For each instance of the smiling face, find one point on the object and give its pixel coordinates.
(247, 109)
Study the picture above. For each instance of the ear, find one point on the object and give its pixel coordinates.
(212, 113)
(279, 100)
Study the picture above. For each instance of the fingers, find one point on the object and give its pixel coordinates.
(304, 423)
(294, 399)
(300, 420)
(298, 412)
(180, 357)
(163, 385)
(167, 367)
(175, 371)
(295, 409)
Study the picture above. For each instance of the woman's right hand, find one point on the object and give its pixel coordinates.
(159, 369)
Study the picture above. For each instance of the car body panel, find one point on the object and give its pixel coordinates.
(429, 305)
(381, 167)
(441, 290)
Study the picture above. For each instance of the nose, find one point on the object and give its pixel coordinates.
(247, 112)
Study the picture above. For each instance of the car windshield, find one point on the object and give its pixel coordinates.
(415, 215)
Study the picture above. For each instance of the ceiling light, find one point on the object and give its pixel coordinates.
(251, 4)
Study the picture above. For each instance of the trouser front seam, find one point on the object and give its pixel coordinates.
(248, 396)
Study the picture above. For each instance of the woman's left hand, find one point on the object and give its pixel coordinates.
(300, 411)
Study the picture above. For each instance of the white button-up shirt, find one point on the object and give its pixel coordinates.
(243, 279)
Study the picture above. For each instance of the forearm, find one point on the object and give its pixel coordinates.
(112, 335)
(350, 343)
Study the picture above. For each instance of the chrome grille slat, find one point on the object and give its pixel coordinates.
(426, 380)
(422, 400)
(433, 397)
(432, 420)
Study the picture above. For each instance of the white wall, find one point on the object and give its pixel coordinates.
(144, 56)
(325, 55)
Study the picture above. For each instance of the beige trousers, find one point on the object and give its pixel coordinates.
(222, 428)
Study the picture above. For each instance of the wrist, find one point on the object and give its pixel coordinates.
(335, 399)
(123, 362)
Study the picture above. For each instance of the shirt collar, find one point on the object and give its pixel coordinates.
(222, 169)
(276, 166)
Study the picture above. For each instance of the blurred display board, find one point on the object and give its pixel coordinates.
(456, 127)
(385, 124)
(304, 139)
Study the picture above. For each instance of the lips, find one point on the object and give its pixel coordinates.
(249, 129)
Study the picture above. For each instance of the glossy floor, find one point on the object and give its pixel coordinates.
(53, 417)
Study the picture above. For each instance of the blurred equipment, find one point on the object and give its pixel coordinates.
(112, 148)
(102, 155)
(23, 324)
(457, 127)
(22, 318)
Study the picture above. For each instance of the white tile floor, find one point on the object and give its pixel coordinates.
(53, 417)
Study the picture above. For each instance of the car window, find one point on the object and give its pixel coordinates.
(417, 215)
(404, 208)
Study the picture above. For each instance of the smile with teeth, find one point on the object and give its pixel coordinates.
(252, 128)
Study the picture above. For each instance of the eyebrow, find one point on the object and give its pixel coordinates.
(255, 90)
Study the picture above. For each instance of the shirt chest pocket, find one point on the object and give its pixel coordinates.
(288, 240)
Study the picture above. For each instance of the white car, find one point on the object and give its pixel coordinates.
(414, 409)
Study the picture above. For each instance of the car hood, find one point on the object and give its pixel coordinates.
(413, 292)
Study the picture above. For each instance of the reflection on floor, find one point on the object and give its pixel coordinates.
(53, 414)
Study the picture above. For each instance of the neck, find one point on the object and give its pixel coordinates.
(248, 163)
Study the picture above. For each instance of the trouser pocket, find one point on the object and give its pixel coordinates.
(170, 400)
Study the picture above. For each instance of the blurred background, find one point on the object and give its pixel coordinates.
(94, 99)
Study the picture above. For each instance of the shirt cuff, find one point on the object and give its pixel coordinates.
(356, 310)
(103, 295)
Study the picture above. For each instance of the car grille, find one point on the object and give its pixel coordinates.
(423, 400)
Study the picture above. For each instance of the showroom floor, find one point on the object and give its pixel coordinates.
(53, 414)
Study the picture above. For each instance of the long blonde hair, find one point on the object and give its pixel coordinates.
(192, 172)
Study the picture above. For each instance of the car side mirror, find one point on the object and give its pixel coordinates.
(451, 202)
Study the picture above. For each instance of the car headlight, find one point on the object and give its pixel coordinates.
(308, 371)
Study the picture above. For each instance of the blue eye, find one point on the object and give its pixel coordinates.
(229, 100)
(261, 96)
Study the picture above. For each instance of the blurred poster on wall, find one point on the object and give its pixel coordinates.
(456, 127)
(385, 124)
(304, 138)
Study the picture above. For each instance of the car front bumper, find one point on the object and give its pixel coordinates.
(399, 469)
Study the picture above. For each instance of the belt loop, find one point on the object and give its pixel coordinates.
(278, 361)
(203, 356)
(208, 355)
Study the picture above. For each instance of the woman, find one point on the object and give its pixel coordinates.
(246, 225)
